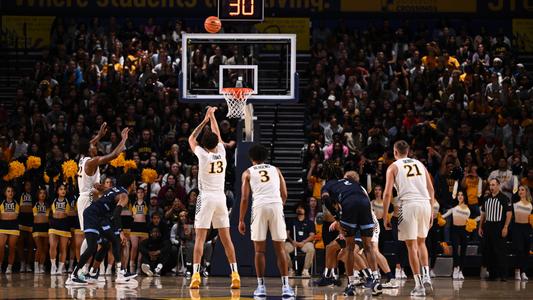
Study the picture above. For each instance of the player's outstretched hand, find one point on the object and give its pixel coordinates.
(124, 133)
(103, 130)
(242, 228)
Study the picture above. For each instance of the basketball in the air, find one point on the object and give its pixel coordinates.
(212, 24)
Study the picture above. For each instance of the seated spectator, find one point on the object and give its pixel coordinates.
(300, 236)
(155, 252)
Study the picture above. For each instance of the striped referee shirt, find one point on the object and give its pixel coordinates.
(495, 207)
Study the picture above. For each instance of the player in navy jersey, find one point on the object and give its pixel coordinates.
(102, 221)
(348, 202)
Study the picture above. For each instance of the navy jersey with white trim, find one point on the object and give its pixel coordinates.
(347, 193)
(107, 203)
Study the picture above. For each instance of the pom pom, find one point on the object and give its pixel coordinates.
(70, 169)
(119, 161)
(446, 250)
(33, 162)
(129, 164)
(149, 175)
(440, 220)
(471, 225)
(16, 169)
(531, 220)
(47, 178)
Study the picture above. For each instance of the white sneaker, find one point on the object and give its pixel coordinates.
(108, 270)
(428, 286)
(391, 284)
(260, 291)
(524, 277)
(305, 273)
(432, 274)
(418, 291)
(398, 273)
(9, 269)
(517, 276)
(146, 270)
(403, 275)
(455, 274)
(53, 270)
(287, 292)
(461, 276)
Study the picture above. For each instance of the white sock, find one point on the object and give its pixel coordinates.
(36, 267)
(61, 266)
(333, 273)
(425, 271)
(285, 280)
(351, 279)
(41, 268)
(53, 262)
(196, 268)
(418, 280)
(260, 281)
(326, 272)
(118, 267)
(376, 274)
(233, 267)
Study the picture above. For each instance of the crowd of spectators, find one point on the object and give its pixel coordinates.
(461, 98)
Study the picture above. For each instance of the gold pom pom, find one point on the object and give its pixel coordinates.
(70, 169)
(33, 162)
(471, 225)
(16, 169)
(129, 164)
(119, 161)
(441, 220)
(149, 175)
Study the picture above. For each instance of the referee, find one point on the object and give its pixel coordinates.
(496, 215)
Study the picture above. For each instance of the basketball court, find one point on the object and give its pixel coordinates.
(28, 286)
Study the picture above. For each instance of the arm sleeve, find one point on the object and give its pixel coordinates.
(173, 233)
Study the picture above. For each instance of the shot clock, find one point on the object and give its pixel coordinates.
(241, 10)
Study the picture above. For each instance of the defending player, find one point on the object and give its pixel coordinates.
(211, 203)
(102, 221)
(354, 213)
(415, 197)
(269, 194)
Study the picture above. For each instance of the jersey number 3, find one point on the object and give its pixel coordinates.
(411, 168)
(218, 169)
(264, 176)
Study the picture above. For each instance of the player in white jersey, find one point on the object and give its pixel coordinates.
(89, 171)
(211, 203)
(269, 193)
(416, 196)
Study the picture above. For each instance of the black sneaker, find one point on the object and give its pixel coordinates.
(324, 281)
(349, 290)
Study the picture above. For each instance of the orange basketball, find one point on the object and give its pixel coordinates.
(212, 24)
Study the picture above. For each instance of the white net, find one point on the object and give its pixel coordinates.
(236, 100)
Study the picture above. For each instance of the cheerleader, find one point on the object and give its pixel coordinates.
(59, 232)
(9, 227)
(521, 230)
(26, 227)
(400, 246)
(139, 227)
(377, 208)
(76, 233)
(459, 235)
(41, 211)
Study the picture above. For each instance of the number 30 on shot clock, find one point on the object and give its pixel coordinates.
(241, 10)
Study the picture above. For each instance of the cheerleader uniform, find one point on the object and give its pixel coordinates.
(26, 218)
(521, 230)
(40, 229)
(9, 227)
(60, 227)
(126, 218)
(139, 229)
(459, 235)
(74, 220)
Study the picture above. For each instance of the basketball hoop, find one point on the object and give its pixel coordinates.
(236, 98)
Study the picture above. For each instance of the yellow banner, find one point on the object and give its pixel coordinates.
(299, 26)
(37, 30)
(523, 30)
(409, 6)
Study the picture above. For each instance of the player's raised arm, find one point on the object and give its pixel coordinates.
(387, 193)
(101, 133)
(282, 187)
(245, 195)
(196, 132)
(93, 163)
(214, 124)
